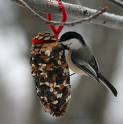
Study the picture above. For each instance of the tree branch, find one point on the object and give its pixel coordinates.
(117, 2)
(24, 4)
(105, 19)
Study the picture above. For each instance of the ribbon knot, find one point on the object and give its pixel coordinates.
(57, 30)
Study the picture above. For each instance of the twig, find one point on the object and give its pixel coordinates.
(117, 2)
(99, 12)
(59, 22)
(105, 19)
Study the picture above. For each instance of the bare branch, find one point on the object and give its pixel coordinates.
(58, 22)
(117, 2)
(76, 11)
(99, 12)
(23, 3)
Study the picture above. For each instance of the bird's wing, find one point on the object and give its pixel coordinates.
(93, 63)
(85, 62)
(85, 67)
(92, 69)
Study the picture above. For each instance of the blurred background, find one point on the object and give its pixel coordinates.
(91, 102)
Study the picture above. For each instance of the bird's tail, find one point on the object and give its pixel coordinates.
(108, 85)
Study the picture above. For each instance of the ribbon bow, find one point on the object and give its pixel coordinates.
(57, 30)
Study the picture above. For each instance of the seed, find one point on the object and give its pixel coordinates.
(55, 102)
(39, 64)
(60, 53)
(41, 84)
(46, 38)
(43, 65)
(57, 86)
(51, 89)
(68, 98)
(40, 37)
(38, 90)
(33, 74)
(47, 53)
(45, 98)
(44, 74)
(47, 83)
(42, 97)
(55, 92)
(65, 83)
(41, 69)
(59, 62)
(37, 36)
(59, 95)
(66, 71)
(51, 85)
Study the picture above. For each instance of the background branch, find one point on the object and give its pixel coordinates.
(117, 2)
(24, 4)
(105, 19)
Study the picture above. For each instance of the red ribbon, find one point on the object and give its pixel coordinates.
(55, 30)
(36, 41)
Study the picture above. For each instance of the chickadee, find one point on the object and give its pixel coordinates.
(81, 59)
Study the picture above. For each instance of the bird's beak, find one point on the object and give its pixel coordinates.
(66, 47)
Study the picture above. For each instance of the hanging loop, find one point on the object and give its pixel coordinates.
(57, 30)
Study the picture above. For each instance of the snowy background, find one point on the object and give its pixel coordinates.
(91, 103)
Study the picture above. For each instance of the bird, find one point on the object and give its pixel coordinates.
(81, 59)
